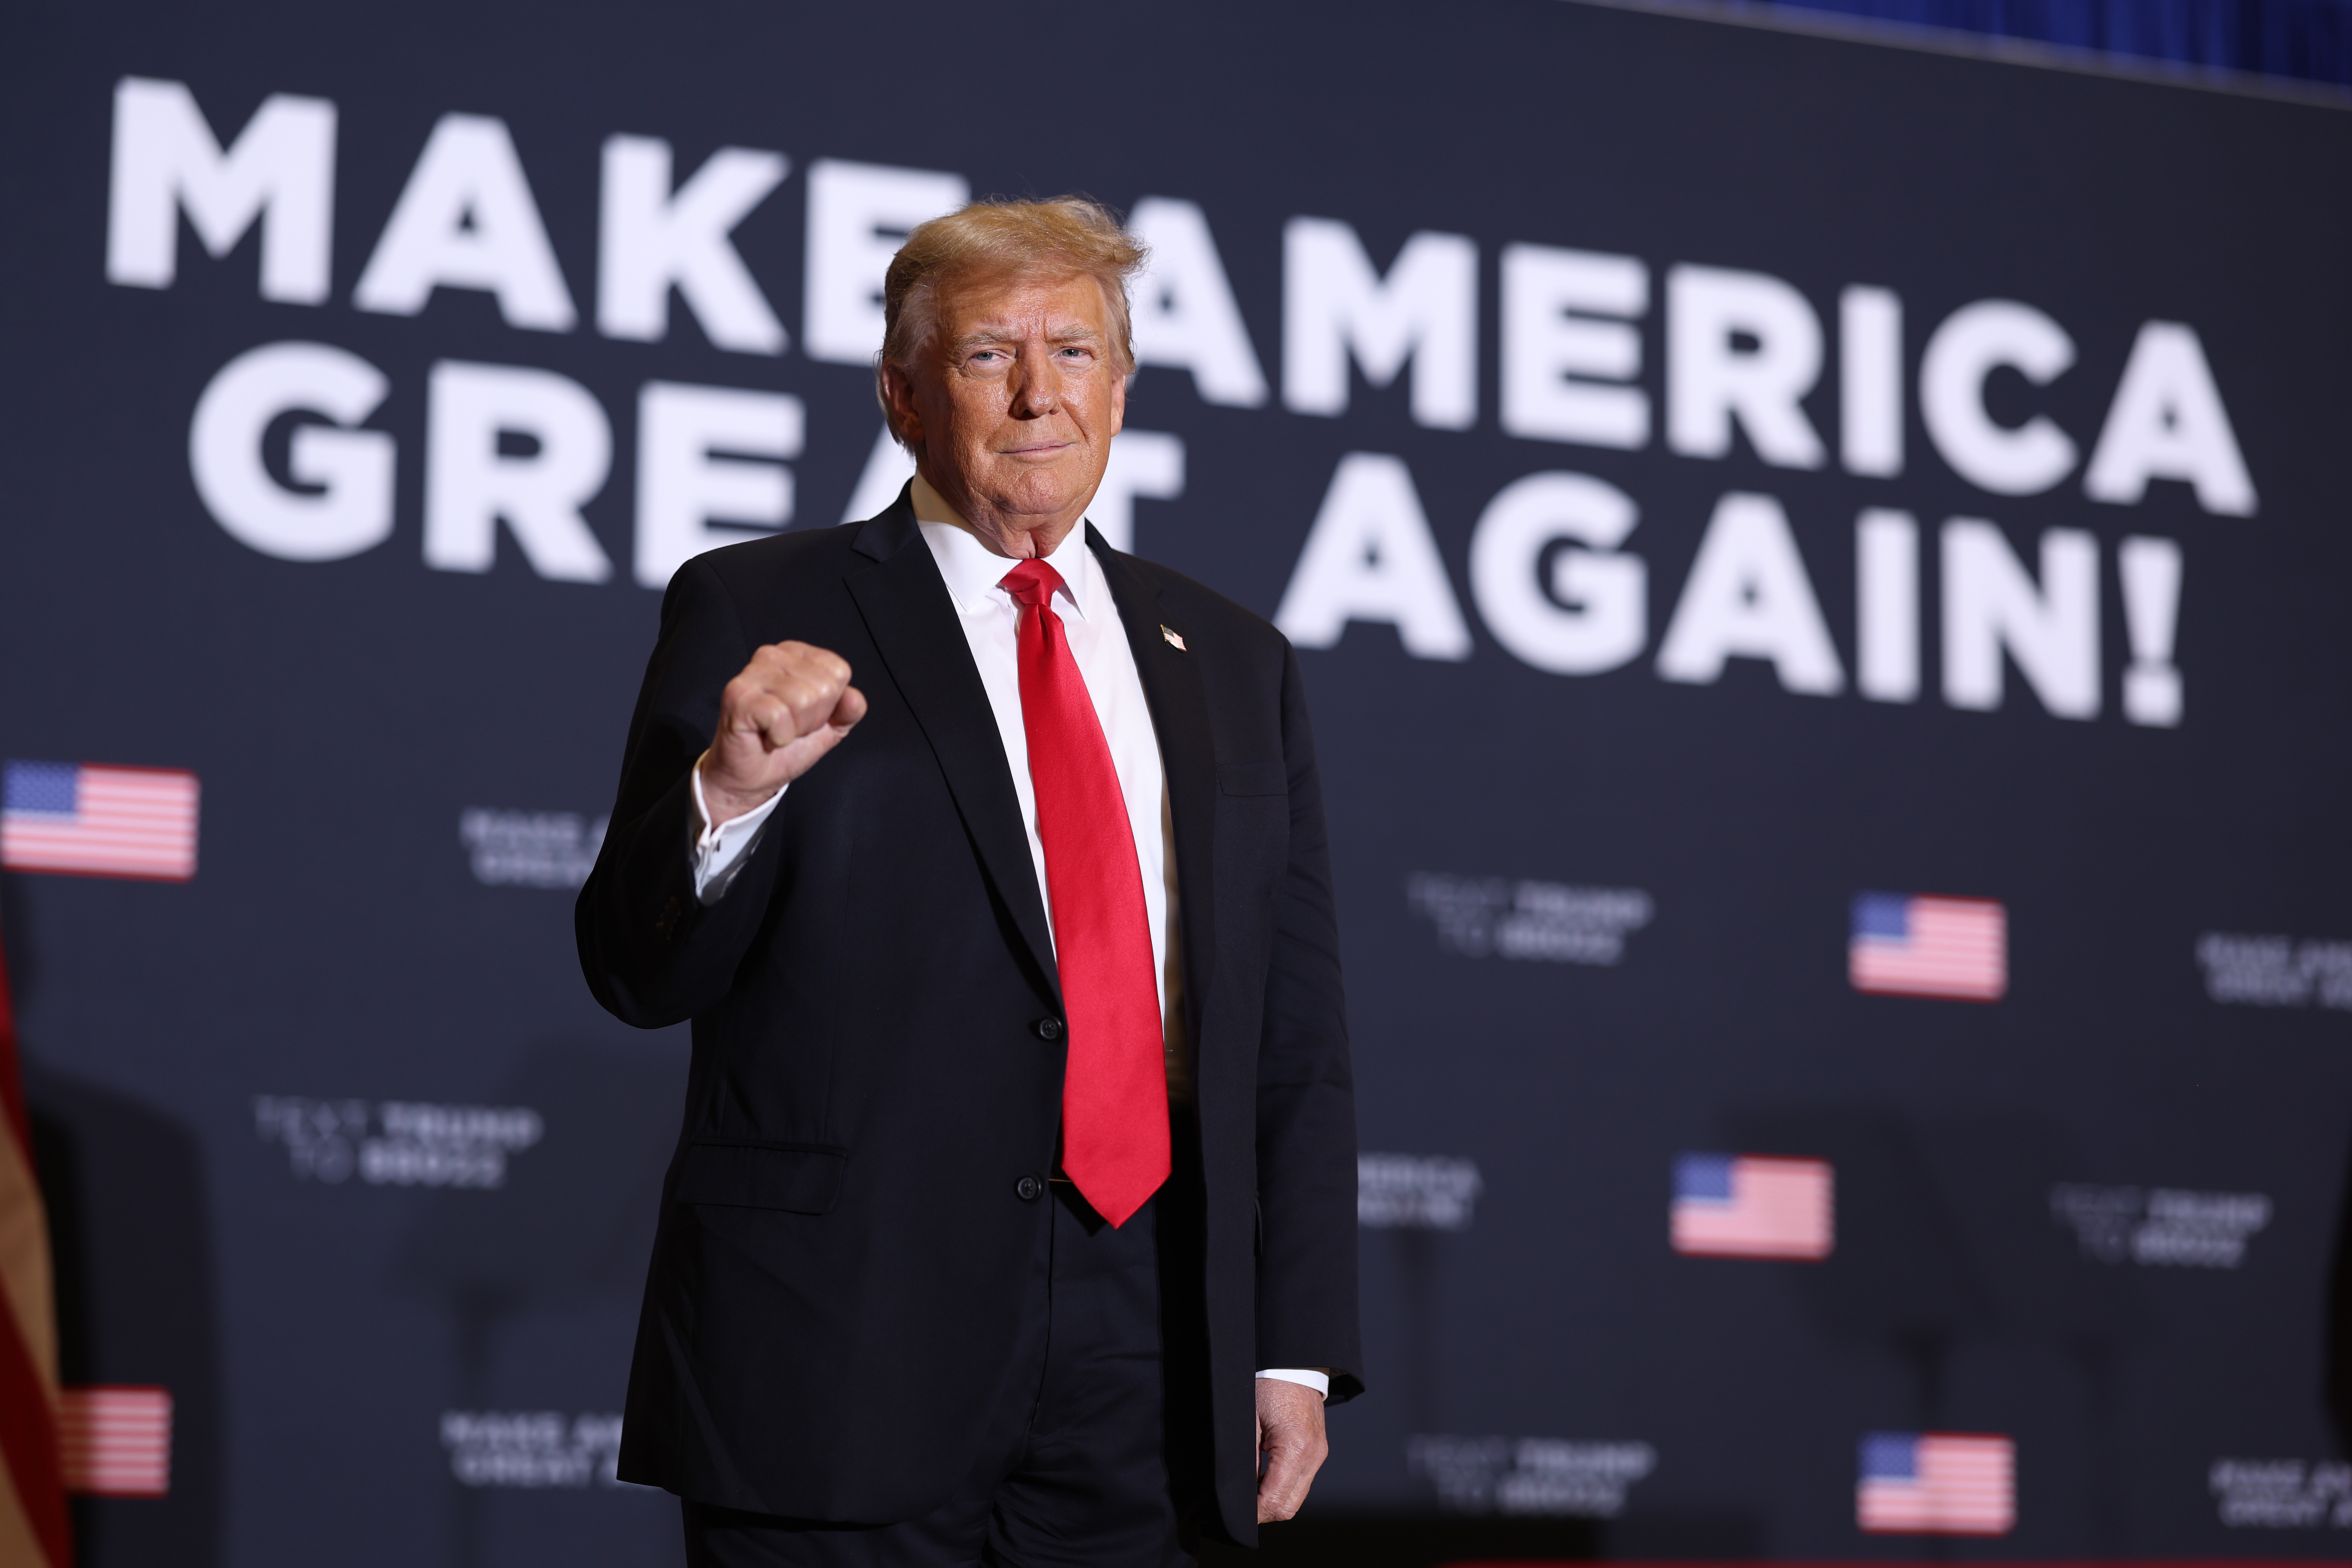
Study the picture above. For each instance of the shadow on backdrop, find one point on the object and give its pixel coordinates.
(542, 1286)
(1931, 1257)
(130, 1227)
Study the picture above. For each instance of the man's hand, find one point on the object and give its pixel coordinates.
(1290, 1435)
(792, 705)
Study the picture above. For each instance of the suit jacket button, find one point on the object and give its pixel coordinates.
(1049, 1029)
(1027, 1188)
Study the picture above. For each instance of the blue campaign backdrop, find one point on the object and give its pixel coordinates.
(1820, 574)
(2290, 41)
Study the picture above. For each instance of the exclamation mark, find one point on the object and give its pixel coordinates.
(2151, 577)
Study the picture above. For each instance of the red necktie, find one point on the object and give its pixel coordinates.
(1115, 1088)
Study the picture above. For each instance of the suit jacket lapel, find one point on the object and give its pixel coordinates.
(906, 606)
(1180, 714)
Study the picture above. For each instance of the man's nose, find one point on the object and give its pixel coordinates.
(1036, 384)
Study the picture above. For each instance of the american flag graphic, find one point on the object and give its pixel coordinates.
(1747, 1206)
(95, 821)
(1937, 1483)
(116, 1440)
(1908, 944)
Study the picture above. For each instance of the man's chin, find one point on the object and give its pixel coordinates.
(1035, 500)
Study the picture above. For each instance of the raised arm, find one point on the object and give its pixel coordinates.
(752, 720)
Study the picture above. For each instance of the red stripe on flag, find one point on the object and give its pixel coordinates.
(28, 1444)
(28, 1440)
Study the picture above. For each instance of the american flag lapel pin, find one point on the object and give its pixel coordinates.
(1173, 641)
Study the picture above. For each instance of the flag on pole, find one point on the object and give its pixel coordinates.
(33, 1529)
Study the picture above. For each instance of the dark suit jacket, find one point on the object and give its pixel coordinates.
(842, 1250)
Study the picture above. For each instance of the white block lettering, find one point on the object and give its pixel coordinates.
(857, 215)
(1886, 606)
(1596, 616)
(1972, 340)
(2167, 423)
(1147, 463)
(685, 487)
(2150, 569)
(1182, 306)
(467, 220)
(1371, 557)
(471, 485)
(1747, 596)
(1714, 378)
(1991, 605)
(280, 172)
(1870, 381)
(1426, 310)
(653, 238)
(350, 510)
(1567, 333)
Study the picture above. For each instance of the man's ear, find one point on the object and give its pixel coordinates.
(900, 405)
(1119, 403)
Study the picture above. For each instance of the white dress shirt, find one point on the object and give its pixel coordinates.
(991, 619)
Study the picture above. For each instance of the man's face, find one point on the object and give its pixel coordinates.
(1014, 409)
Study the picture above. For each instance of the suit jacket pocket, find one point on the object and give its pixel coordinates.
(1253, 778)
(800, 1178)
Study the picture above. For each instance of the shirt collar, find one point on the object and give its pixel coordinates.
(973, 570)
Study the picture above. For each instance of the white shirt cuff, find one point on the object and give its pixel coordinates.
(1305, 1377)
(720, 852)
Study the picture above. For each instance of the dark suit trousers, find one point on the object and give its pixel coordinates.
(1076, 1473)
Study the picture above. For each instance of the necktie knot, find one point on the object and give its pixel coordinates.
(1031, 583)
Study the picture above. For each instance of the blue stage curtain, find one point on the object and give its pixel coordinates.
(2310, 40)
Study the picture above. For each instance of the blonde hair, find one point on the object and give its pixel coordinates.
(1004, 237)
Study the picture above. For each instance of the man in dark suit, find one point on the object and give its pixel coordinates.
(1014, 1216)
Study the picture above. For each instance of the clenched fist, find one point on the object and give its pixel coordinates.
(792, 705)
